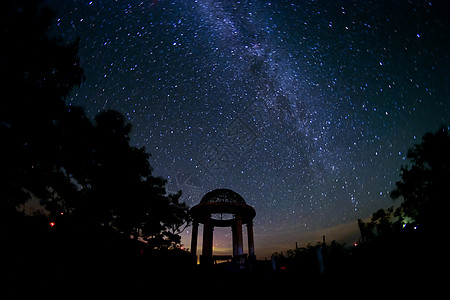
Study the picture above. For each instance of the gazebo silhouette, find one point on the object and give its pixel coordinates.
(223, 208)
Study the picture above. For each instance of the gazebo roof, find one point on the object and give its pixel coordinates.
(222, 201)
(222, 196)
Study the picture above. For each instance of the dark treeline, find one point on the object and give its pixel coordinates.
(96, 191)
(404, 248)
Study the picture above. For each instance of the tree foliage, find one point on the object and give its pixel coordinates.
(38, 72)
(87, 174)
(424, 185)
(424, 189)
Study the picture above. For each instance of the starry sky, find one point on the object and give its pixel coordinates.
(305, 108)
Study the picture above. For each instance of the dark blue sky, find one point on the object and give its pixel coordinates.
(305, 108)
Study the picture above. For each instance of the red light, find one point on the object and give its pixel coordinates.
(52, 224)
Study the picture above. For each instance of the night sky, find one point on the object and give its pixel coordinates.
(305, 108)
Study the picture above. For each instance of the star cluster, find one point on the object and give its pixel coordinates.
(305, 108)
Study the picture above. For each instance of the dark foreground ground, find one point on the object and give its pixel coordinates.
(98, 279)
(101, 267)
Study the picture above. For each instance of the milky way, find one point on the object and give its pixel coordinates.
(305, 108)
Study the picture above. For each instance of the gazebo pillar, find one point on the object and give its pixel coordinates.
(194, 238)
(233, 237)
(207, 251)
(251, 243)
(237, 238)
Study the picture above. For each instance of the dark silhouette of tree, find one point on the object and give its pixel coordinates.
(37, 73)
(124, 193)
(380, 223)
(87, 175)
(424, 190)
(405, 238)
(424, 185)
